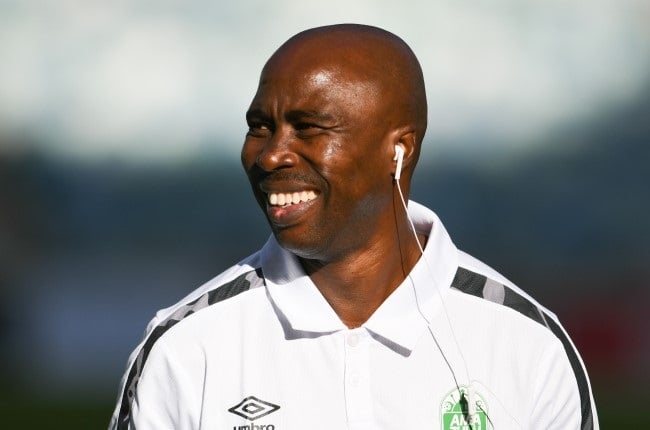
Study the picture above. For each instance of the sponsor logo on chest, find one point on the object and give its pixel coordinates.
(252, 408)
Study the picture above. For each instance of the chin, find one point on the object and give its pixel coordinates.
(302, 246)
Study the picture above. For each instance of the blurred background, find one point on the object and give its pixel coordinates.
(121, 190)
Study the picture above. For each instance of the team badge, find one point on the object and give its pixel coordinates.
(457, 413)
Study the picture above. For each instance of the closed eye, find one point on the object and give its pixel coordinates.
(307, 130)
(309, 123)
(258, 128)
(259, 124)
(301, 126)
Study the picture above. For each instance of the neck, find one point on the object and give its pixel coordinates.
(356, 284)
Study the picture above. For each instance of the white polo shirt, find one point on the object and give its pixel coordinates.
(259, 348)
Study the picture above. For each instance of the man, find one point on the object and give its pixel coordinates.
(342, 320)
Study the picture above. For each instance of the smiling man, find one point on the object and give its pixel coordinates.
(358, 313)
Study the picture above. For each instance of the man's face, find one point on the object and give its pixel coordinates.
(317, 158)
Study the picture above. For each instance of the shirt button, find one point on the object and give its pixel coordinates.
(355, 378)
(353, 339)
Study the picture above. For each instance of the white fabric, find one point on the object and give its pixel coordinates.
(283, 344)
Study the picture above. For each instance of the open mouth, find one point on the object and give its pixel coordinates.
(288, 199)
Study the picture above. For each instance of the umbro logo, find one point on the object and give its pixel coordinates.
(253, 408)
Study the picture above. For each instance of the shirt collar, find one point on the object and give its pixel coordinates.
(403, 316)
(293, 292)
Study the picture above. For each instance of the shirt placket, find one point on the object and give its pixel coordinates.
(358, 400)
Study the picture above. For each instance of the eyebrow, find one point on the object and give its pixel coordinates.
(293, 116)
(298, 115)
(255, 113)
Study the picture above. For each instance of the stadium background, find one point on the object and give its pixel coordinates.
(121, 191)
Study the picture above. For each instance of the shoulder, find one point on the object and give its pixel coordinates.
(506, 303)
(477, 279)
(240, 278)
(474, 267)
(237, 281)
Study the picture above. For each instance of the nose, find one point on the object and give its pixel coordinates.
(276, 152)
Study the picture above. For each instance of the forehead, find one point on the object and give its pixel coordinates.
(304, 78)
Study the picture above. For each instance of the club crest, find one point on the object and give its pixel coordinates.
(457, 413)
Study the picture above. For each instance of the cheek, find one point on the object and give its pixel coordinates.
(361, 190)
(371, 173)
(331, 153)
(357, 171)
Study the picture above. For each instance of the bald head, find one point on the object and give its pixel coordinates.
(373, 56)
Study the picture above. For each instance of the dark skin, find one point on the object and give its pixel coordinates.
(331, 105)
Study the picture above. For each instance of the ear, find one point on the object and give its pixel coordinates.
(404, 138)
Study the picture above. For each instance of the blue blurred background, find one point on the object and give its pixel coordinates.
(121, 190)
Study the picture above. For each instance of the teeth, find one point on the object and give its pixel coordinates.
(285, 199)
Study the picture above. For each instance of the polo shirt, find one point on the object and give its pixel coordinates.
(455, 346)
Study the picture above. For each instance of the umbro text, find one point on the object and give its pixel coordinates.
(255, 427)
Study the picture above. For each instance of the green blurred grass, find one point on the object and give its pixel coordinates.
(623, 408)
(72, 414)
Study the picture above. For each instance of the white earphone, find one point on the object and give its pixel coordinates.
(471, 397)
(399, 156)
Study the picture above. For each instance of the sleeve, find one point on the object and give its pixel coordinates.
(162, 398)
(156, 392)
(556, 401)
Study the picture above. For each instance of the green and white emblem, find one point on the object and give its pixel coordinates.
(457, 413)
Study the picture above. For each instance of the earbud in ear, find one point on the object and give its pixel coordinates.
(399, 156)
